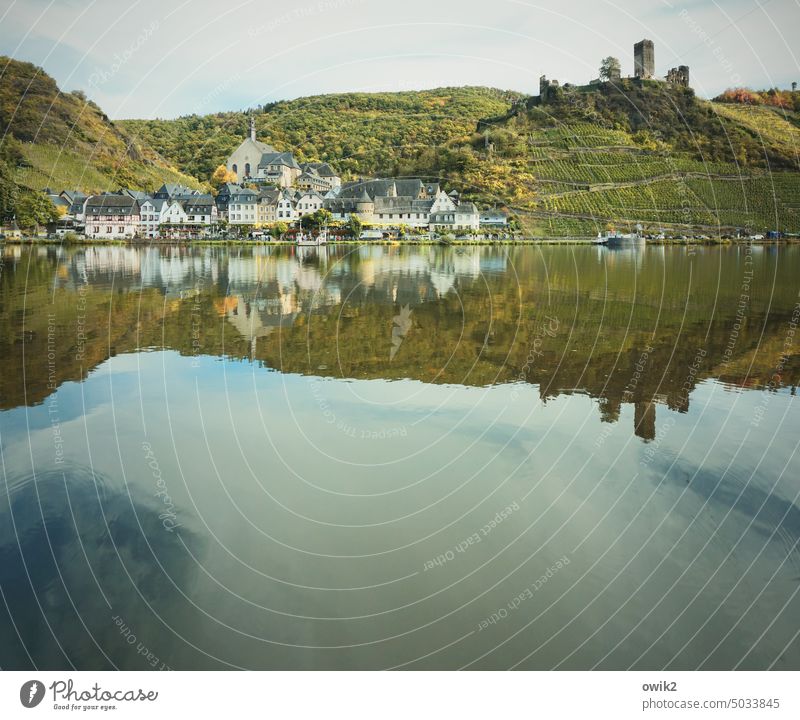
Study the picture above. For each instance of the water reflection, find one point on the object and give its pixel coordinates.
(334, 427)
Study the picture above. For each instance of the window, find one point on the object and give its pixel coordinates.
(108, 229)
(247, 169)
(121, 229)
(235, 169)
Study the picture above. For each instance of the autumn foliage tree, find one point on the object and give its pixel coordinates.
(222, 175)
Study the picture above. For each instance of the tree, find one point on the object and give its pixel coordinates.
(8, 192)
(278, 230)
(221, 176)
(609, 68)
(354, 225)
(34, 209)
(316, 219)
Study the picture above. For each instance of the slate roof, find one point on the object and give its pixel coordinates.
(201, 204)
(278, 158)
(269, 196)
(402, 204)
(111, 205)
(322, 169)
(244, 195)
(157, 203)
(340, 205)
(174, 190)
(381, 187)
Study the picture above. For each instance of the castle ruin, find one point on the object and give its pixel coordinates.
(679, 76)
(644, 60)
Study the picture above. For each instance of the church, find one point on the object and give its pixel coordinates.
(258, 162)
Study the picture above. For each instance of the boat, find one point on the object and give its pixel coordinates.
(307, 239)
(617, 239)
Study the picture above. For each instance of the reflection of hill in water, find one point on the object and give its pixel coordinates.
(618, 326)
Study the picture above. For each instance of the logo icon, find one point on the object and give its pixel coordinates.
(401, 324)
(31, 693)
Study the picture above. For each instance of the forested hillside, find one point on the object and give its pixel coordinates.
(588, 158)
(61, 140)
(361, 133)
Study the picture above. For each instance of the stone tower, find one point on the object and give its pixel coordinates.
(644, 63)
(252, 128)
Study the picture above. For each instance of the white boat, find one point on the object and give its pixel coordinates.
(309, 239)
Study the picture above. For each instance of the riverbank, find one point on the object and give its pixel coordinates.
(239, 242)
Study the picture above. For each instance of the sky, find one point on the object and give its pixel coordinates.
(151, 58)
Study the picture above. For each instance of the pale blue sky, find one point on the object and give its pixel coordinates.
(150, 58)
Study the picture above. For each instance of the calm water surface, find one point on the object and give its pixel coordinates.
(377, 457)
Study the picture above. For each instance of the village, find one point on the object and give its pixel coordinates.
(274, 196)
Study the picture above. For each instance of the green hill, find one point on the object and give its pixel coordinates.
(361, 133)
(590, 157)
(61, 140)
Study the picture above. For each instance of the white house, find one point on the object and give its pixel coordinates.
(465, 216)
(242, 208)
(151, 214)
(173, 214)
(200, 210)
(286, 208)
(111, 216)
(307, 203)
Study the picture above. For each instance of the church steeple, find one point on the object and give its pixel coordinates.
(252, 128)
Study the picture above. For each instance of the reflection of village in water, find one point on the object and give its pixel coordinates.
(477, 313)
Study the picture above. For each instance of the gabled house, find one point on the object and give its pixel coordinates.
(402, 210)
(267, 206)
(323, 174)
(173, 191)
(200, 210)
(279, 168)
(285, 211)
(242, 208)
(151, 213)
(174, 214)
(77, 204)
(493, 218)
(308, 202)
(224, 197)
(465, 216)
(112, 216)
